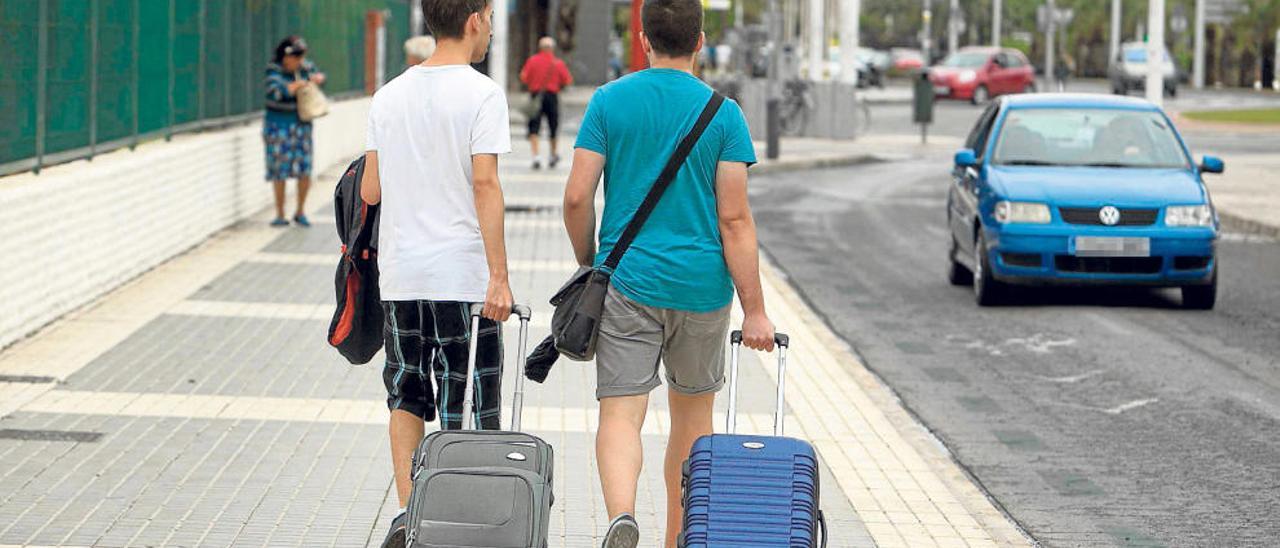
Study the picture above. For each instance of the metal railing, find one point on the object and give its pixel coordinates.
(85, 77)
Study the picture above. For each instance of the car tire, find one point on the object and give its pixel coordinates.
(1201, 297)
(1029, 88)
(980, 95)
(1119, 90)
(987, 291)
(957, 273)
(1172, 91)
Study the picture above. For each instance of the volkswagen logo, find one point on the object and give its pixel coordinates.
(1109, 215)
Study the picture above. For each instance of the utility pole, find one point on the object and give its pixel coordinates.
(498, 51)
(997, 13)
(1197, 63)
(1051, 29)
(1155, 52)
(773, 127)
(638, 60)
(817, 37)
(850, 15)
(1115, 31)
(926, 37)
(953, 27)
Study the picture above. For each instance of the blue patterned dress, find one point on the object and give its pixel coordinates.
(287, 138)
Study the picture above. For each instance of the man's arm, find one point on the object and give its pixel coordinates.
(370, 185)
(741, 253)
(490, 211)
(580, 204)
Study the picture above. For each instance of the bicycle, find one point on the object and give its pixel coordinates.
(861, 115)
(797, 105)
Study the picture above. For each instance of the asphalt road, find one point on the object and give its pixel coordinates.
(1094, 417)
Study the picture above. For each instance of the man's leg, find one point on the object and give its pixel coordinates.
(451, 323)
(535, 126)
(406, 432)
(619, 451)
(551, 107)
(690, 420)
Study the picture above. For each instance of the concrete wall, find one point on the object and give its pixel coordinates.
(79, 230)
(590, 59)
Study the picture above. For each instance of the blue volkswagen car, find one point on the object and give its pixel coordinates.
(1079, 190)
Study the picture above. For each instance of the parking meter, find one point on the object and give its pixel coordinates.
(922, 101)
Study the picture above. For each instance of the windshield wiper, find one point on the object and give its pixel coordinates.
(1107, 164)
(1028, 163)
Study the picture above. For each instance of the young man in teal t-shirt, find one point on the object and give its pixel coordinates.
(671, 293)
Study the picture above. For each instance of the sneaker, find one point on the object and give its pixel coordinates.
(555, 159)
(396, 536)
(537, 164)
(301, 220)
(279, 221)
(623, 533)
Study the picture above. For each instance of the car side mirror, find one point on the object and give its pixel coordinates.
(965, 157)
(1211, 164)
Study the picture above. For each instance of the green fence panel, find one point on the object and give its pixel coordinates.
(19, 49)
(153, 65)
(68, 76)
(216, 40)
(115, 63)
(186, 60)
(241, 59)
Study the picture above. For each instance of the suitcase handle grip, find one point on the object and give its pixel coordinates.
(469, 420)
(783, 342)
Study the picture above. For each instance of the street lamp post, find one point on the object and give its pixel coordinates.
(926, 42)
(772, 100)
(498, 51)
(1115, 32)
(1155, 52)
(953, 24)
(850, 12)
(997, 12)
(1197, 63)
(816, 38)
(1051, 29)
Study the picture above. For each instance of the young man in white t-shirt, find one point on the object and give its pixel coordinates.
(435, 133)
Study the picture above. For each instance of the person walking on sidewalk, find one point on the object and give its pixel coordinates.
(670, 295)
(545, 75)
(434, 136)
(286, 137)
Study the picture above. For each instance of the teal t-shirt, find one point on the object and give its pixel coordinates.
(677, 259)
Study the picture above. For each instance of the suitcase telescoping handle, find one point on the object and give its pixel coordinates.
(469, 420)
(783, 341)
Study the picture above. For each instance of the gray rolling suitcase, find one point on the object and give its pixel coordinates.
(482, 488)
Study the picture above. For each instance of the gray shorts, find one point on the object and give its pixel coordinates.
(634, 337)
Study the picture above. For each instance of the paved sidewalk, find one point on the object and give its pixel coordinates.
(200, 406)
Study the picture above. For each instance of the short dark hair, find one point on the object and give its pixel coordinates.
(448, 18)
(673, 26)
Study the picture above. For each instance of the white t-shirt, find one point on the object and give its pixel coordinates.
(425, 125)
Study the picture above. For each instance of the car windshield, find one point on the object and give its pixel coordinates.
(1088, 138)
(966, 60)
(1139, 55)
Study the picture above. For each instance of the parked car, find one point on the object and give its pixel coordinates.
(978, 74)
(1128, 71)
(1080, 189)
(905, 60)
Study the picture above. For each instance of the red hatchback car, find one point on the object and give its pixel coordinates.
(978, 74)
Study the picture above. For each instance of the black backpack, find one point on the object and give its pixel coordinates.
(356, 329)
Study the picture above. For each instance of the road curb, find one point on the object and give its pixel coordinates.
(1235, 223)
(782, 166)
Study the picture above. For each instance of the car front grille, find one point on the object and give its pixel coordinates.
(1089, 216)
(1108, 265)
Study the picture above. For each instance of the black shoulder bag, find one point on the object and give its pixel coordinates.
(580, 302)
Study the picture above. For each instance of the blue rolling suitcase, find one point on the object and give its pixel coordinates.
(743, 491)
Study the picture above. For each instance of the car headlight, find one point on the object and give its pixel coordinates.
(1197, 215)
(967, 76)
(1022, 212)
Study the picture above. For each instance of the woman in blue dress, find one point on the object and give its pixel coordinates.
(288, 138)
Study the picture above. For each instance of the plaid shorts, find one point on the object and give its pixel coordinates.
(426, 339)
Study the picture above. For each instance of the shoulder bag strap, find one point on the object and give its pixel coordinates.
(664, 180)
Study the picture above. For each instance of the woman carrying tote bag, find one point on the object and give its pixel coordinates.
(293, 99)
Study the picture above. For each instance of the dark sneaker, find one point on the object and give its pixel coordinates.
(302, 220)
(396, 536)
(279, 221)
(537, 164)
(623, 533)
(555, 159)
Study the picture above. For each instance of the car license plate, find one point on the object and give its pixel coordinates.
(1091, 246)
(941, 90)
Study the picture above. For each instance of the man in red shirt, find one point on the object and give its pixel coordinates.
(545, 75)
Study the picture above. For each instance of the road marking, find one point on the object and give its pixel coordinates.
(1131, 405)
(1072, 379)
(1039, 343)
